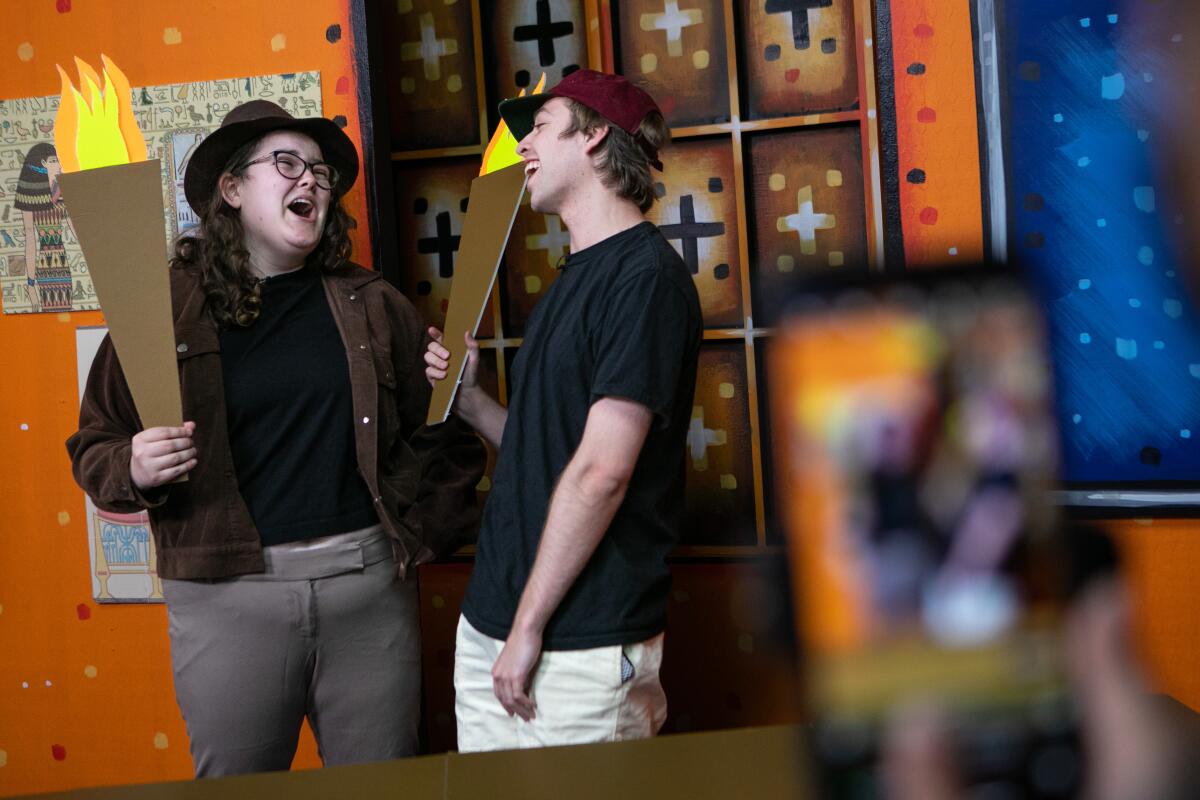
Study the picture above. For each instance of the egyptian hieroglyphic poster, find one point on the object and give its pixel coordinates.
(41, 266)
(676, 52)
(120, 546)
(696, 212)
(808, 215)
(432, 88)
(531, 39)
(800, 56)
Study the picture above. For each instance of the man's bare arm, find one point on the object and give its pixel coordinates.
(588, 494)
(471, 402)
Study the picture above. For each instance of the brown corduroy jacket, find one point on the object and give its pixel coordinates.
(422, 478)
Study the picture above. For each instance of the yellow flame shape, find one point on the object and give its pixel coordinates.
(95, 126)
(501, 151)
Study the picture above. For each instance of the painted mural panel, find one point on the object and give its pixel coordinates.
(431, 204)
(774, 534)
(537, 244)
(719, 509)
(807, 190)
(675, 50)
(431, 81)
(1089, 220)
(936, 197)
(696, 212)
(529, 38)
(799, 56)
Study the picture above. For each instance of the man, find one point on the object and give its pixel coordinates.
(561, 635)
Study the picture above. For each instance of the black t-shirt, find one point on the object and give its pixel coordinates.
(291, 416)
(622, 320)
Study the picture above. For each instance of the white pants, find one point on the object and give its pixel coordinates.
(580, 695)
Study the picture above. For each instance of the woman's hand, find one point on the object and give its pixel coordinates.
(160, 455)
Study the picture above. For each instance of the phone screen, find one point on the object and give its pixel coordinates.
(915, 446)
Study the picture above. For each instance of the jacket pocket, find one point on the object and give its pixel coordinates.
(388, 410)
(200, 378)
(385, 373)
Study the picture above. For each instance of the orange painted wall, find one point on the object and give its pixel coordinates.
(937, 133)
(1161, 559)
(122, 724)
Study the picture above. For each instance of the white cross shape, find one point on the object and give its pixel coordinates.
(700, 438)
(430, 49)
(806, 222)
(555, 241)
(672, 21)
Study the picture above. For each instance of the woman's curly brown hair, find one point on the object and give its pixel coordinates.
(218, 248)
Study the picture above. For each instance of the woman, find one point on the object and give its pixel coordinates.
(312, 487)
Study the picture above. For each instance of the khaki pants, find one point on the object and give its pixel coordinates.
(581, 695)
(328, 632)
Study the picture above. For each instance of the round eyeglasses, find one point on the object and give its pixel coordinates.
(292, 166)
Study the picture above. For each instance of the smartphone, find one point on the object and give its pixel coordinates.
(915, 446)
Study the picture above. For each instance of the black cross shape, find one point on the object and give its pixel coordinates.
(544, 31)
(443, 244)
(799, 10)
(690, 232)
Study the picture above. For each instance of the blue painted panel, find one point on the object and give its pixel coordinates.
(1090, 220)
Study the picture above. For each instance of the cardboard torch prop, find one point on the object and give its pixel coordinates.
(491, 208)
(114, 197)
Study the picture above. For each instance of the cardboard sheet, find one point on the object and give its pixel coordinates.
(492, 207)
(118, 216)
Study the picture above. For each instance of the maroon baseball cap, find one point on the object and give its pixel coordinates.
(611, 96)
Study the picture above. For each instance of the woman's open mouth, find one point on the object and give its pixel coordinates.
(305, 209)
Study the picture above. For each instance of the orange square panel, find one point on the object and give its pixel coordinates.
(431, 204)
(799, 57)
(697, 213)
(675, 50)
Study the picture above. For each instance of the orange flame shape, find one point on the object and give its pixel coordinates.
(501, 151)
(95, 127)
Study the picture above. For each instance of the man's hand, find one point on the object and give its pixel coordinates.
(437, 361)
(512, 673)
(160, 455)
(472, 404)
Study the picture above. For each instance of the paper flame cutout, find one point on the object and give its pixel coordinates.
(501, 151)
(95, 127)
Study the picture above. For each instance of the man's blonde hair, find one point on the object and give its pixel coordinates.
(623, 160)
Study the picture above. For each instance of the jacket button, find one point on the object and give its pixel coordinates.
(183, 348)
(362, 347)
(366, 420)
(353, 296)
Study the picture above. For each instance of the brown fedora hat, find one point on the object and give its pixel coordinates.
(257, 118)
